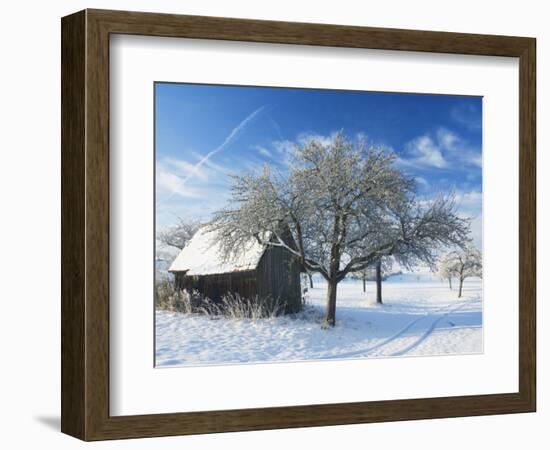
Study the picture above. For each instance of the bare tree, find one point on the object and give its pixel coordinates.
(180, 234)
(364, 275)
(463, 263)
(445, 269)
(378, 272)
(341, 207)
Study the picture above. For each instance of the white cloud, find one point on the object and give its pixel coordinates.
(172, 173)
(184, 168)
(284, 146)
(441, 150)
(447, 140)
(285, 150)
(475, 159)
(426, 152)
(422, 181)
(469, 201)
(304, 138)
(450, 142)
(209, 164)
(172, 184)
(263, 151)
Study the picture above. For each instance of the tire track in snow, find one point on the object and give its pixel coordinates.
(429, 331)
(366, 351)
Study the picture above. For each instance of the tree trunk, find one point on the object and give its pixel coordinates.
(364, 283)
(379, 281)
(461, 280)
(450, 284)
(331, 302)
(310, 279)
(333, 276)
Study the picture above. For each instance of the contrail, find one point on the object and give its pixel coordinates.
(228, 140)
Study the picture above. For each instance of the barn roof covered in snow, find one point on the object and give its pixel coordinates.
(203, 256)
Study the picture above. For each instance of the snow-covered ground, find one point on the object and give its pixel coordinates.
(420, 316)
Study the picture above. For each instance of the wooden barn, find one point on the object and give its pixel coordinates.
(256, 271)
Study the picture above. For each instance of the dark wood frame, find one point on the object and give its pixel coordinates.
(85, 224)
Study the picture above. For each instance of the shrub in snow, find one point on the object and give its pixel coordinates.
(168, 298)
(188, 302)
(231, 305)
(235, 306)
(164, 292)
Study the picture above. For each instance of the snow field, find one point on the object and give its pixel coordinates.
(420, 317)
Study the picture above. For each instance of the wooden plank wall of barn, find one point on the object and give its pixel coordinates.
(278, 275)
(217, 285)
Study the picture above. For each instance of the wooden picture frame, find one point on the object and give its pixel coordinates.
(85, 224)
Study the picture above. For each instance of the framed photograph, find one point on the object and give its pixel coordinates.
(273, 225)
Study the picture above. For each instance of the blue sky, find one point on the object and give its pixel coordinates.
(205, 132)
